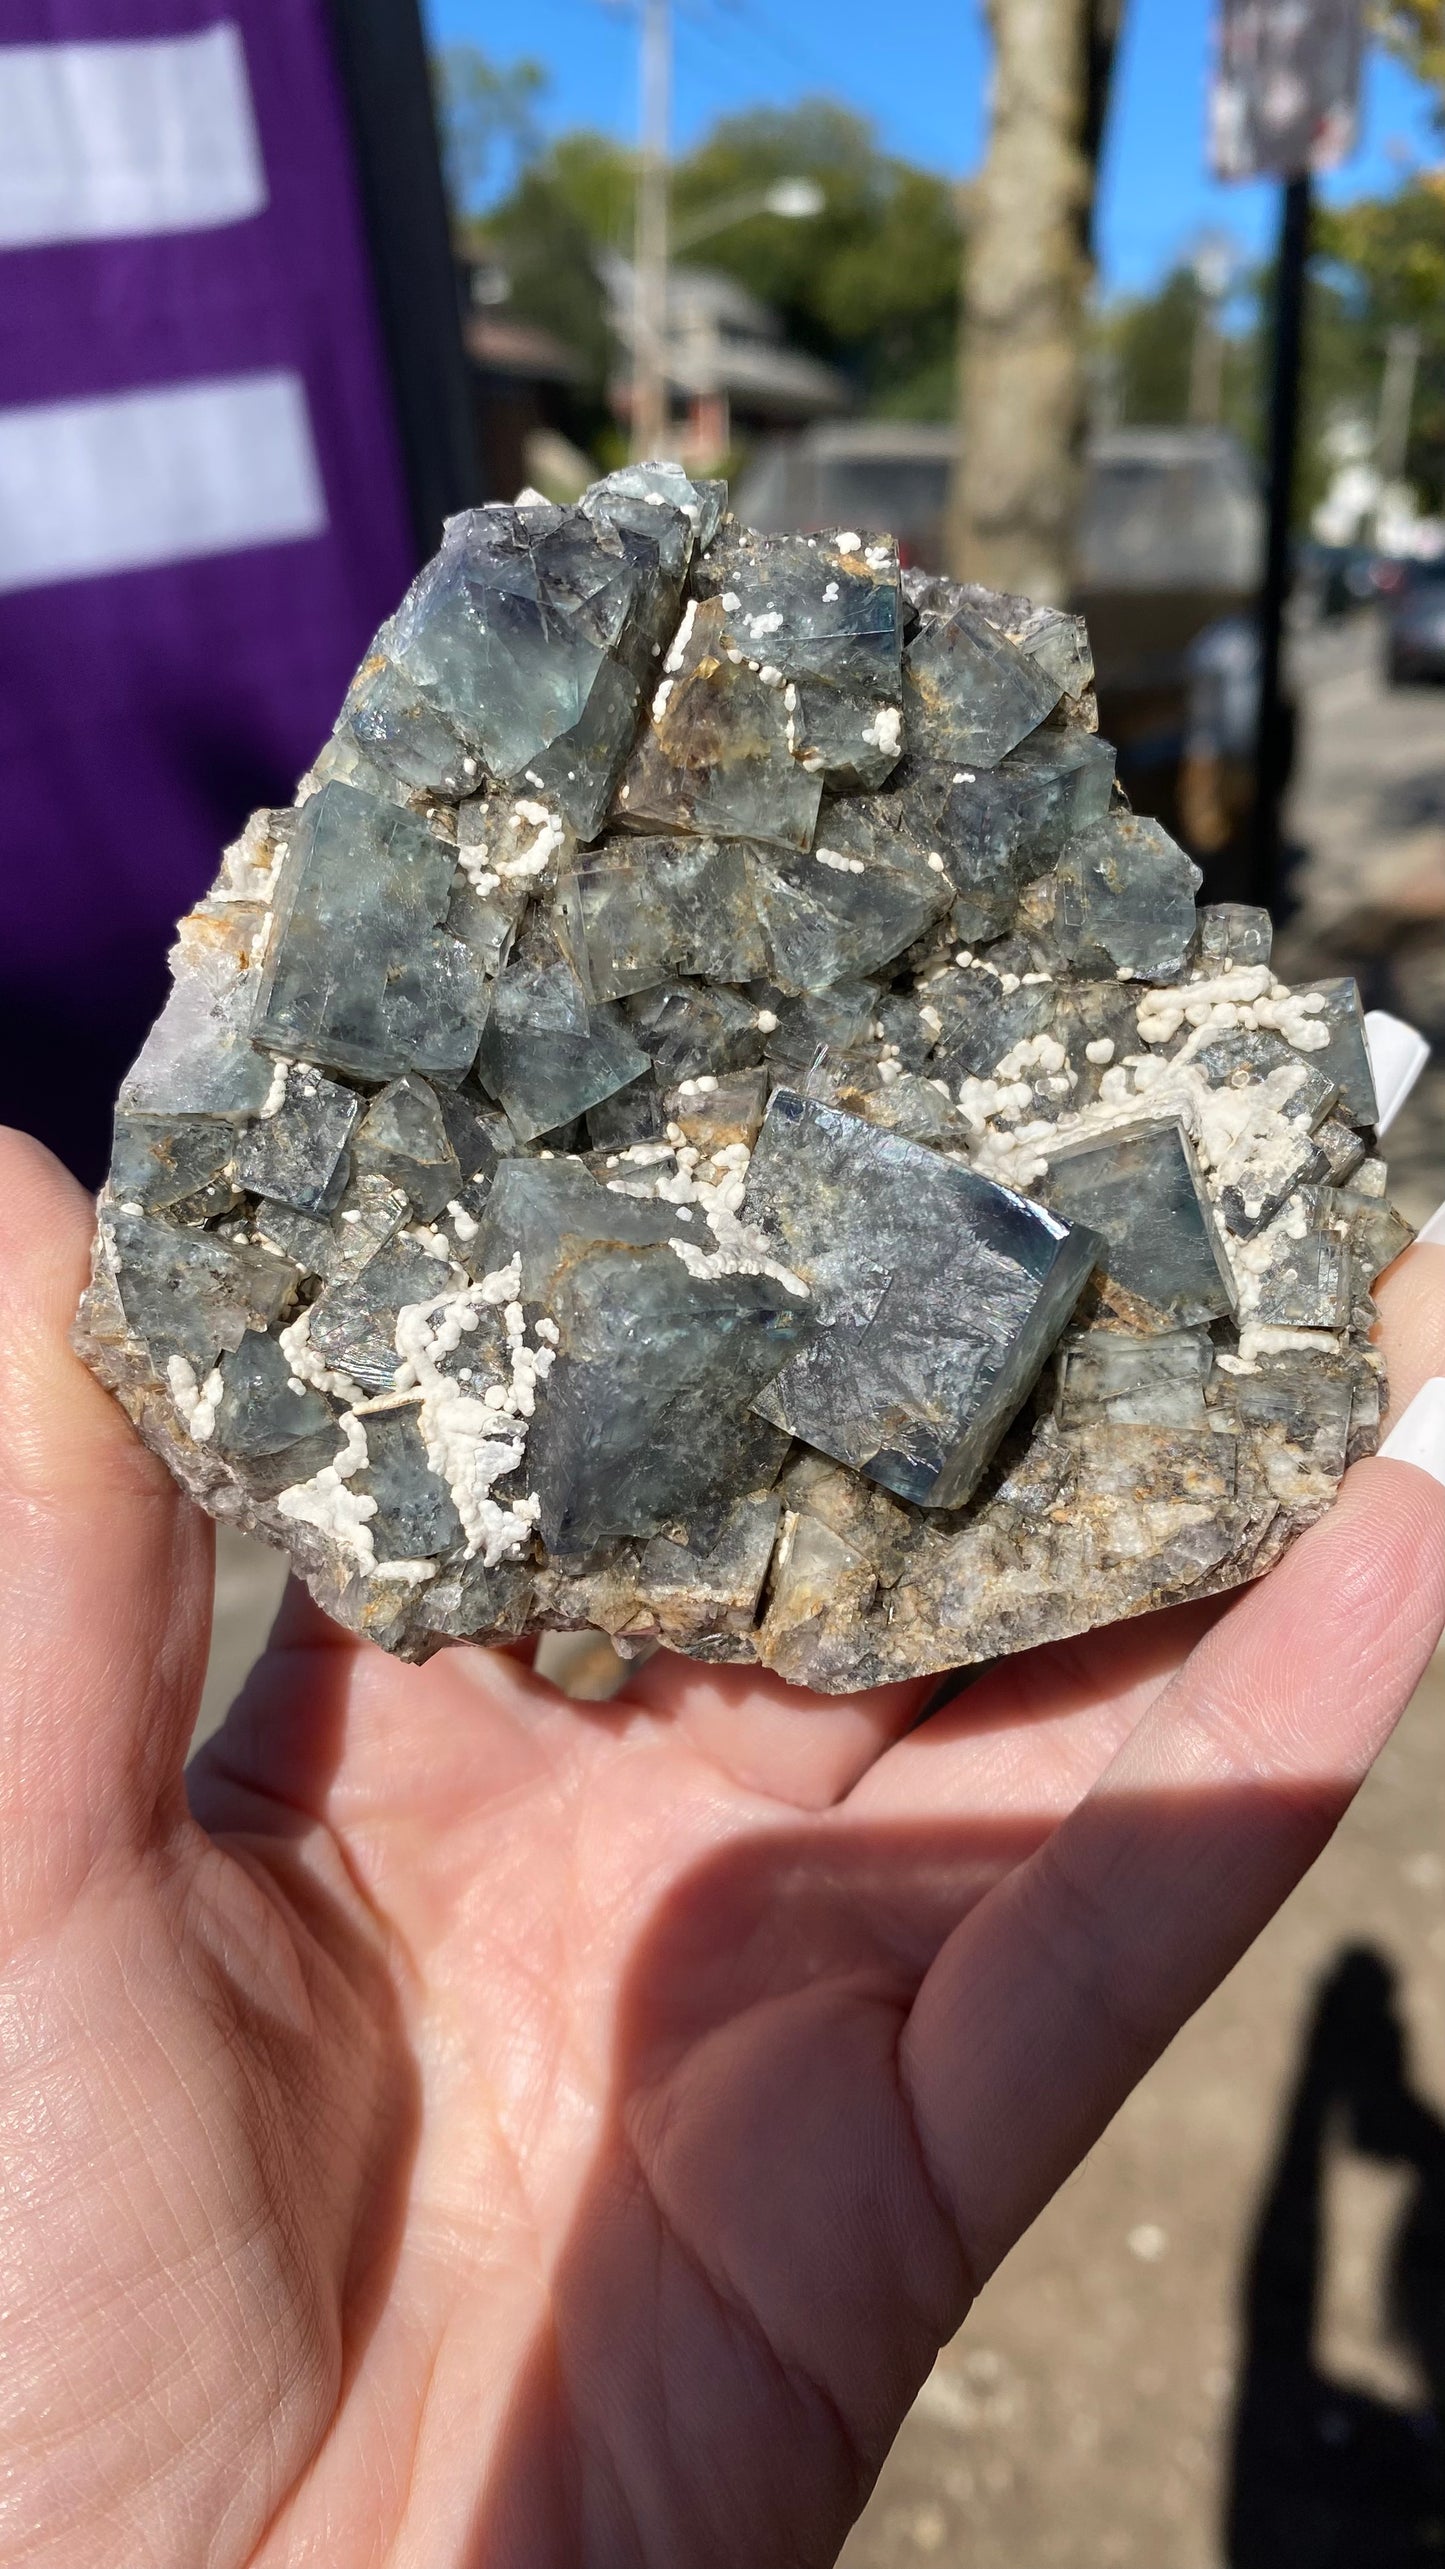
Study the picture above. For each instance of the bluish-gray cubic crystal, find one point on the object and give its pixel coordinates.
(520, 651)
(358, 976)
(370, 1213)
(1113, 1376)
(828, 616)
(541, 1211)
(403, 1140)
(688, 1031)
(161, 1161)
(198, 1059)
(353, 1322)
(982, 1019)
(415, 1518)
(971, 694)
(548, 1053)
(262, 1409)
(710, 1118)
(999, 827)
(936, 1296)
(794, 1029)
(647, 1416)
(849, 906)
(1233, 932)
(192, 1293)
(1143, 1193)
(1058, 641)
(1345, 1059)
(297, 1154)
(716, 754)
(1122, 899)
(649, 909)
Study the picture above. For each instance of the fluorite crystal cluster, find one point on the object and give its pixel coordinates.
(710, 1118)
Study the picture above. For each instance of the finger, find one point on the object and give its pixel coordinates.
(1055, 1994)
(1411, 1296)
(329, 1728)
(805, 1749)
(1035, 1733)
(104, 1570)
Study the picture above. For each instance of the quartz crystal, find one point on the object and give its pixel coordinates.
(711, 1118)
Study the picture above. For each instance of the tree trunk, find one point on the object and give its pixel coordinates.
(1022, 377)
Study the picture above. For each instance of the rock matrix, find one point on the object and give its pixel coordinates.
(710, 1118)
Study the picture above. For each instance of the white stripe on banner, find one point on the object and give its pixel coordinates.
(140, 478)
(98, 141)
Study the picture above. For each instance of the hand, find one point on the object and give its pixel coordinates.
(489, 2132)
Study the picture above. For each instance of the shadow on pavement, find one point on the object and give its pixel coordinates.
(1328, 2475)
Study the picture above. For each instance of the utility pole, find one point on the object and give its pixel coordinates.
(1213, 265)
(1397, 401)
(651, 406)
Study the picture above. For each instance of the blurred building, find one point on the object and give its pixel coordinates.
(732, 377)
(526, 382)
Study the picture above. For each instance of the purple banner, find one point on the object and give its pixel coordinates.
(202, 509)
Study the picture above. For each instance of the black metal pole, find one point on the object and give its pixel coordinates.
(1272, 741)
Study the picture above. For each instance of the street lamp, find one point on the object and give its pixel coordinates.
(795, 200)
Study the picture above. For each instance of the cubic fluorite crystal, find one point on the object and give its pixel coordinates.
(711, 1118)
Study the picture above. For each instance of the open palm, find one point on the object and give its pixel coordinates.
(488, 2132)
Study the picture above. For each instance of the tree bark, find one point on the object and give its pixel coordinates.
(1023, 388)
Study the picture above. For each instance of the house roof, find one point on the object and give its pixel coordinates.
(519, 348)
(722, 339)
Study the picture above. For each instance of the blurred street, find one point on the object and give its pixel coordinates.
(1367, 815)
(1087, 2417)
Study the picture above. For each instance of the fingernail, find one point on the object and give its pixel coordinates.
(1434, 1229)
(1419, 1436)
(1398, 1053)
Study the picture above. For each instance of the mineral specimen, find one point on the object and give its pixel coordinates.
(711, 1118)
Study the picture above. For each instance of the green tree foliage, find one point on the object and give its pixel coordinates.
(1415, 29)
(486, 119)
(1146, 360)
(1388, 256)
(870, 283)
(549, 254)
(1147, 347)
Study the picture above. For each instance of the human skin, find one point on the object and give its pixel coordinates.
(455, 2128)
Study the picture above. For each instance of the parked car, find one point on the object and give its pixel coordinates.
(1415, 624)
(1169, 558)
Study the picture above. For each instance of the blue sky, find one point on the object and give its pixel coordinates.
(926, 96)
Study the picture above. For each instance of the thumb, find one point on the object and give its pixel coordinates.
(104, 1574)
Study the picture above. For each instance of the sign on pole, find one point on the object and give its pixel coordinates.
(1286, 88)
